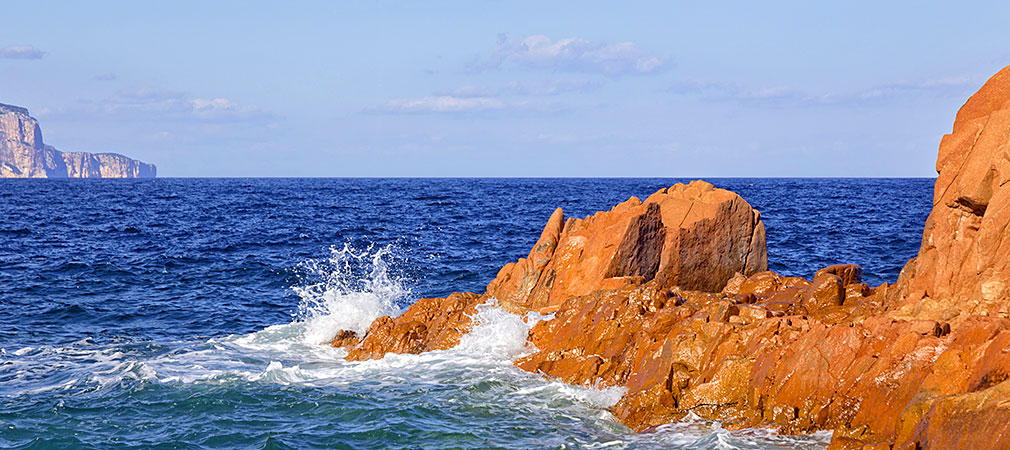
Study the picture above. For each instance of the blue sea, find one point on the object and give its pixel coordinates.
(190, 313)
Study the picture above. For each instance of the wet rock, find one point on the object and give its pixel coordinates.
(761, 284)
(849, 273)
(429, 324)
(827, 290)
(856, 292)
(345, 338)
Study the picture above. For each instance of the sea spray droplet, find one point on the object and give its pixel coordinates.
(350, 290)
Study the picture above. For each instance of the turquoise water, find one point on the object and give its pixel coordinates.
(190, 313)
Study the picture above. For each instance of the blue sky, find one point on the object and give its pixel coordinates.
(494, 88)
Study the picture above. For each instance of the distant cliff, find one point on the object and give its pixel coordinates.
(24, 155)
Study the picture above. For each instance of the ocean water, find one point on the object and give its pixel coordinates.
(188, 313)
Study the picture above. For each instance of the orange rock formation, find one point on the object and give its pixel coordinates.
(670, 298)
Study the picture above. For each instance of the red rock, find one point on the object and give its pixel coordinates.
(827, 290)
(849, 273)
(429, 324)
(733, 285)
(872, 364)
(761, 284)
(856, 292)
(963, 264)
(693, 236)
(788, 282)
(345, 338)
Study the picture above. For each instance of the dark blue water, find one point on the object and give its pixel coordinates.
(184, 313)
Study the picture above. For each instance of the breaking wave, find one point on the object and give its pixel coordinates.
(472, 387)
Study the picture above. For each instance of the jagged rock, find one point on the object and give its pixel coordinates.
(24, 155)
(693, 236)
(919, 364)
(429, 324)
(963, 266)
(345, 338)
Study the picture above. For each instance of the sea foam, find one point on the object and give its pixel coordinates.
(347, 292)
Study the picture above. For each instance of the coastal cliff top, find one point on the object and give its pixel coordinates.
(11, 108)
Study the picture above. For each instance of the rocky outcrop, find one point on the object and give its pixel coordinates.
(24, 155)
(670, 299)
(693, 236)
(429, 324)
(963, 266)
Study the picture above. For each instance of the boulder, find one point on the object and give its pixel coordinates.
(849, 273)
(827, 290)
(429, 324)
(692, 236)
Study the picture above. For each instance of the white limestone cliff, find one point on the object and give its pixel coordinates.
(23, 154)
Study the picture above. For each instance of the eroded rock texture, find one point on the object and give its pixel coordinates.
(671, 299)
(24, 155)
(693, 236)
(964, 263)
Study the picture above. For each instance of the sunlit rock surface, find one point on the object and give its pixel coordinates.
(670, 298)
(24, 155)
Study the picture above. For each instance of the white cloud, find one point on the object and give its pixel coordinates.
(440, 104)
(447, 104)
(21, 52)
(575, 55)
(147, 104)
(786, 97)
(221, 107)
(530, 89)
(469, 92)
(554, 87)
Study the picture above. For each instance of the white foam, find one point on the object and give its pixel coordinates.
(351, 289)
(496, 333)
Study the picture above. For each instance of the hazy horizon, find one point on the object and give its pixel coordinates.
(494, 89)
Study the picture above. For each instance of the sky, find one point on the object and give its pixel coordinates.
(495, 88)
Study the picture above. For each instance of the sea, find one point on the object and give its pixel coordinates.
(194, 313)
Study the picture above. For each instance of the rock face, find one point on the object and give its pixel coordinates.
(670, 299)
(964, 263)
(693, 236)
(24, 155)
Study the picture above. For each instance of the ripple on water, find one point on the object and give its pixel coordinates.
(151, 313)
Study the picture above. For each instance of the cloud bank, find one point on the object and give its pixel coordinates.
(574, 55)
(787, 97)
(439, 104)
(147, 104)
(21, 52)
